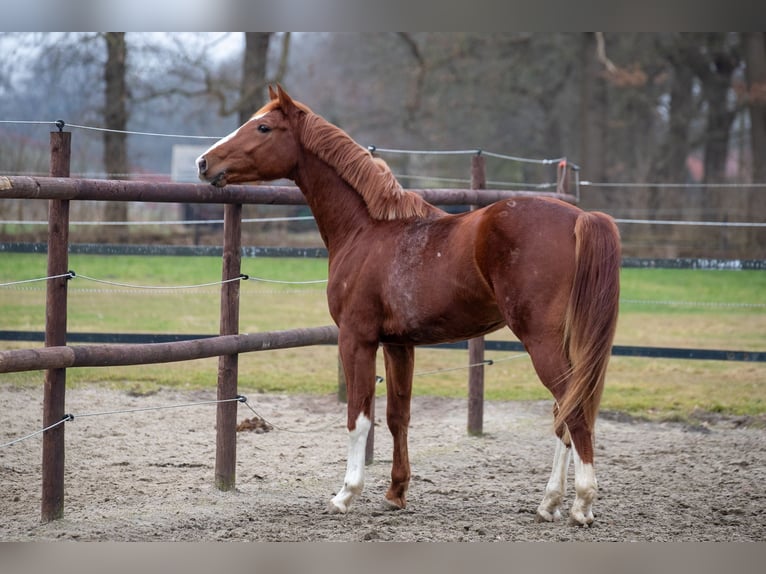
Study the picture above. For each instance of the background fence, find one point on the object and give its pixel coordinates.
(721, 220)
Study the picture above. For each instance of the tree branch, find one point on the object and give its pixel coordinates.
(413, 105)
(619, 76)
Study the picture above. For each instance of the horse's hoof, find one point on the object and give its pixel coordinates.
(579, 519)
(545, 516)
(336, 508)
(393, 504)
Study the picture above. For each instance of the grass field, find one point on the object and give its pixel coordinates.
(673, 308)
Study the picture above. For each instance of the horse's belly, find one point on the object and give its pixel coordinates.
(453, 324)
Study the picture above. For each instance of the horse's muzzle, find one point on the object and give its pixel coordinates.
(219, 180)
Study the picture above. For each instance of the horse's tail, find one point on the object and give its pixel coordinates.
(591, 317)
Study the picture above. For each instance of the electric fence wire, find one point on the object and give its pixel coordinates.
(241, 399)
(71, 417)
(242, 277)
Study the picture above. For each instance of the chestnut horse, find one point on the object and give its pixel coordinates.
(403, 273)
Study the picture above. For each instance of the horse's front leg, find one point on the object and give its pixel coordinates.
(358, 360)
(399, 362)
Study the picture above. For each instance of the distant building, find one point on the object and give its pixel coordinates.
(183, 166)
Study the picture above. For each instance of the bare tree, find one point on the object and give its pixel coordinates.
(238, 93)
(116, 122)
(714, 57)
(670, 163)
(115, 105)
(593, 113)
(755, 57)
(252, 87)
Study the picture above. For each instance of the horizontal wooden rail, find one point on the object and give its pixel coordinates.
(505, 346)
(25, 187)
(63, 357)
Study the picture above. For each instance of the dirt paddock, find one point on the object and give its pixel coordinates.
(149, 475)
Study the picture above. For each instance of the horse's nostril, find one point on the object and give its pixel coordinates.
(201, 165)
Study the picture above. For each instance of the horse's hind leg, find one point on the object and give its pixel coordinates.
(359, 367)
(399, 362)
(552, 367)
(586, 486)
(549, 509)
(573, 440)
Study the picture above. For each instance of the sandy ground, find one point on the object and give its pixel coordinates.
(149, 475)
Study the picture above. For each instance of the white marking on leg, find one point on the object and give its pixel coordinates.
(586, 488)
(549, 509)
(354, 481)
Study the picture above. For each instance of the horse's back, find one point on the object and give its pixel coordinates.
(526, 219)
(532, 233)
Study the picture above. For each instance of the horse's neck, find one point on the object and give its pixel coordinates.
(338, 209)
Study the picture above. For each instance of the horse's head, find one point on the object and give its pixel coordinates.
(262, 149)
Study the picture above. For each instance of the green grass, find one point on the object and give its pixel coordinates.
(687, 286)
(656, 388)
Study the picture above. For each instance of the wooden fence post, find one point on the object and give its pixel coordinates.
(342, 391)
(476, 345)
(369, 450)
(228, 365)
(52, 506)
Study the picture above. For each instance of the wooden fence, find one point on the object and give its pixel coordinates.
(56, 357)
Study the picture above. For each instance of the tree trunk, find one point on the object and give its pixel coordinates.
(719, 62)
(252, 89)
(593, 102)
(755, 57)
(115, 118)
(714, 70)
(252, 92)
(671, 162)
(719, 121)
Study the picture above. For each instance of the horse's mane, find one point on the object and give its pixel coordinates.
(369, 176)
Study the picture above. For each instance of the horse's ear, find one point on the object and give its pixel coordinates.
(285, 101)
(272, 93)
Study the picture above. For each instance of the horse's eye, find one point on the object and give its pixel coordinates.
(264, 129)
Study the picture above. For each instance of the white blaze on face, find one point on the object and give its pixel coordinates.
(354, 481)
(232, 135)
(223, 140)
